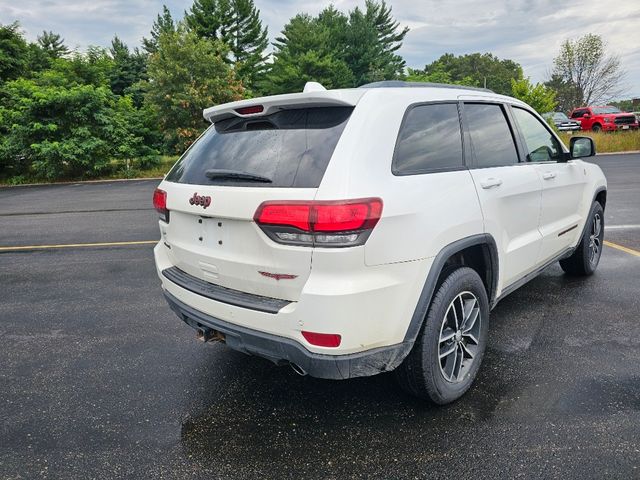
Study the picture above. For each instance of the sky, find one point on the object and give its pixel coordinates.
(527, 31)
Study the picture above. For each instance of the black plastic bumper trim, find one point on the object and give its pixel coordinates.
(224, 294)
(283, 351)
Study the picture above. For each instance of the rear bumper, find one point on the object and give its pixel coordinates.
(370, 307)
(283, 351)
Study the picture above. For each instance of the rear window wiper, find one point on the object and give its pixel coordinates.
(218, 173)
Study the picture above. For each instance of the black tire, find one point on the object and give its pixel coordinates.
(596, 127)
(583, 261)
(422, 373)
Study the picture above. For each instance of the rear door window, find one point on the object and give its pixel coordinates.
(290, 148)
(491, 137)
(430, 139)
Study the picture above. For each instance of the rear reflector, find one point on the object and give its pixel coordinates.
(160, 204)
(322, 339)
(250, 110)
(341, 223)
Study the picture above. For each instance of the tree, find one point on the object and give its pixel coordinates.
(187, 74)
(567, 95)
(249, 42)
(305, 52)
(236, 23)
(163, 23)
(38, 60)
(372, 39)
(53, 44)
(207, 18)
(438, 75)
(50, 129)
(624, 105)
(14, 52)
(337, 50)
(91, 68)
(584, 68)
(540, 97)
(478, 69)
(128, 69)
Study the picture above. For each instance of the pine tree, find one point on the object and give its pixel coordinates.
(128, 69)
(53, 44)
(236, 23)
(337, 50)
(14, 52)
(204, 18)
(249, 42)
(372, 39)
(304, 52)
(163, 23)
(389, 36)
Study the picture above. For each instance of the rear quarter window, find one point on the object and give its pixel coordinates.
(429, 140)
(292, 148)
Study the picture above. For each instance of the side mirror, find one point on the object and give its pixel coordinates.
(582, 147)
(586, 115)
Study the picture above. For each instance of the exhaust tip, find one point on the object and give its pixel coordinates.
(298, 369)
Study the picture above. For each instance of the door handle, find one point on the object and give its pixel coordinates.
(490, 183)
(548, 175)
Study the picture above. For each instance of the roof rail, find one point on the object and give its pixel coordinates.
(403, 84)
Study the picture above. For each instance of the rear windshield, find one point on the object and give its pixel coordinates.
(290, 148)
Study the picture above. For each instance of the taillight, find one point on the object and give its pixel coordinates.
(322, 339)
(160, 204)
(343, 223)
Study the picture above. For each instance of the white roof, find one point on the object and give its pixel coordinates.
(315, 95)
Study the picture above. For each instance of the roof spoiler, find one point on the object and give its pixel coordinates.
(314, 95)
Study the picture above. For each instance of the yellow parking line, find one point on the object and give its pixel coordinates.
(151, 242)
(622, 248)
(75, 245)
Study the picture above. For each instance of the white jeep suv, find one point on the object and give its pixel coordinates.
(352, 232)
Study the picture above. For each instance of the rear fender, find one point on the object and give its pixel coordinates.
(436, 269)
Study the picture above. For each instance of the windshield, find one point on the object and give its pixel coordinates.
(289, 148)
(561, 117)
(602, 110)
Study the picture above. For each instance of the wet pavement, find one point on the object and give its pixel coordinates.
(99, 379)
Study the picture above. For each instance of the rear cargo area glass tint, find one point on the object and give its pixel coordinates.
(291, 148)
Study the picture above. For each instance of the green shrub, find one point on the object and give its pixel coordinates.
(55, 131)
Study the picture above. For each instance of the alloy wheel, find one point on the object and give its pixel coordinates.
(459, 337)
(595, 247)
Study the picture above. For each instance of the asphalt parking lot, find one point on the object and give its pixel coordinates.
(99, 379)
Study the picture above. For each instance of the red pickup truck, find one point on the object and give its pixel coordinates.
(604, 118)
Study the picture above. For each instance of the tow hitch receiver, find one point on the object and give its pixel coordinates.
(206, 334)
